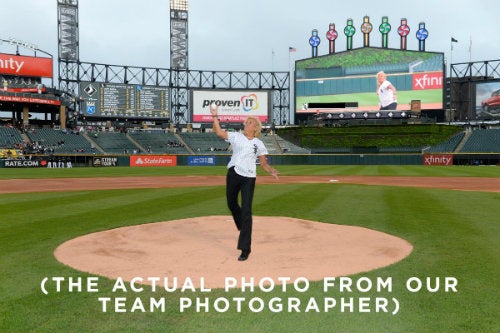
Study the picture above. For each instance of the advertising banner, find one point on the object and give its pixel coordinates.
(234, 106)
(22, 163)
(25, 66)
(438, 159)
(105, 161)
(201, 160)
(152, 160)
(22, 99)
(429, 80)
(487, 104)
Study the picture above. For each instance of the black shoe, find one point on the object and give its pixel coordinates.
(244, 255)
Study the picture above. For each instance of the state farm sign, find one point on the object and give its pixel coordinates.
(152, 160)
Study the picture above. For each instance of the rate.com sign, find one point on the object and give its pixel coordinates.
(25, 66)
(152, 160)
(234, 105)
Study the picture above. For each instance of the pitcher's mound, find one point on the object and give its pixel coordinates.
(204, 249)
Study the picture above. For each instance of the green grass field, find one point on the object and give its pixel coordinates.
(454, 234)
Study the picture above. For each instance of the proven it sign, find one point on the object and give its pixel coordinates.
(25, 66)
(438, 159)
(234, 105)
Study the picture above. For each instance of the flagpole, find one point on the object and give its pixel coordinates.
(289, 60)
(292, 88)
(272, 60)
(470, 49)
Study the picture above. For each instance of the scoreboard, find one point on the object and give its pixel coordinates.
(124, 100)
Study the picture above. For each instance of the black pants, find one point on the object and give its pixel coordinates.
(242, 215)
(392, 106)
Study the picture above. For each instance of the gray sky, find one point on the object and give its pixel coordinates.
(250, 35)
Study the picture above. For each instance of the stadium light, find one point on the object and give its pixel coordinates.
(179, 5)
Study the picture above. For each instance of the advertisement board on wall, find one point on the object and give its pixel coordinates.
(105, 161)
(201, 160)
(487, 104)
(25, 66)
(153, 160)
(234, 105)
(438, 159)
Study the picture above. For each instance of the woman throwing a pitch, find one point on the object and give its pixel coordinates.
(242, 173)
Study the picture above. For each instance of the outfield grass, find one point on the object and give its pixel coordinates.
(454, 234)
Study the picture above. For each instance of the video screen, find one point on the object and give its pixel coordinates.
(488, 100)
(349, 79)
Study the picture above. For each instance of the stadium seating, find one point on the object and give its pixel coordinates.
(483, 141)
(448, 146)
(54, 141)
(205, 143)
(290, 148)
(115, 143)
(60, 141)
(271, 144)
(159, 142)
(10, 137)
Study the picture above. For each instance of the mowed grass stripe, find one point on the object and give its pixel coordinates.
(454, 233)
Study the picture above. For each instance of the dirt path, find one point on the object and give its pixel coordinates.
(78, 184)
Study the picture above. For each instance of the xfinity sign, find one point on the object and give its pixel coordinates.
(423, 81)
(25, 66)
(438, 159)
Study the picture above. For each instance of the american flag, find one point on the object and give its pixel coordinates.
(292, 49)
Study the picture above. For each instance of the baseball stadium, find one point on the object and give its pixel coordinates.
(113, 191)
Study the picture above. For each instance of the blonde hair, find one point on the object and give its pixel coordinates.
(258, 125)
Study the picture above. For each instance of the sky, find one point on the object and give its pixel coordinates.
(237, 35)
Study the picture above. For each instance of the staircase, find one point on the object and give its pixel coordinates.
(92, 142)
(179, 138)
(466, 137)
(141, 148)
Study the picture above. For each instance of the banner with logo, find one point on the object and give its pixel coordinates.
(25, 66)
(105, 161)
(234, 106)
(201, 160)
(427, 80)
(22, 163)
(153, 160)
(438, 159)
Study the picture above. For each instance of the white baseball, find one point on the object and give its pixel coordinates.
(213, 106)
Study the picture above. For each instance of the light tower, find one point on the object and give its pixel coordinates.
(179, 34)
(68, 42)
(179, 60)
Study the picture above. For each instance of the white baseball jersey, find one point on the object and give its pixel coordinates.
(385, 94)
(245, 153)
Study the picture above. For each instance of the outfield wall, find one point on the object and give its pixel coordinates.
(64, 161)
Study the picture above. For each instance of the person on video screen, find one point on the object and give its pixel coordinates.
(386, 93)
